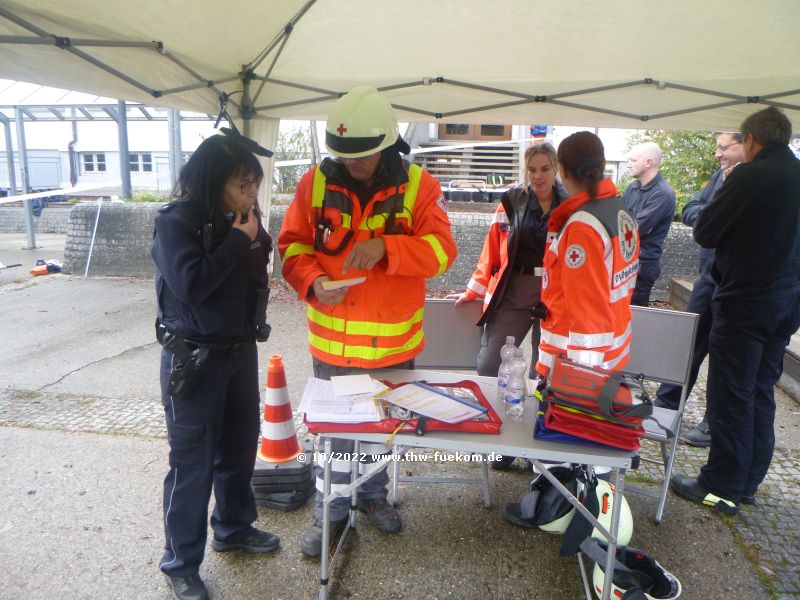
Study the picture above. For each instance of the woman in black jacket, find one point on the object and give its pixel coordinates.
(211, 255)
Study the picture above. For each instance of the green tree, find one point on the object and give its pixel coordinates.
(688, 161)
(292, 145)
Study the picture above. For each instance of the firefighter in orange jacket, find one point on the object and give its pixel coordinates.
(591, 266)
(366, 214)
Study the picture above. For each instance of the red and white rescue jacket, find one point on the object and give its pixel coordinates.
(589, 274)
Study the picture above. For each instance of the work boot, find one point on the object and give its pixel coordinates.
(501, 463)
(513, 514)
(699, 437)
(382, 515)
(190, 587)
(691, 489)
(250, 540)
(311, 542)
(749, 497)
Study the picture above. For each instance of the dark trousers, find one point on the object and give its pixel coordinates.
(512, 317)
(213, 436)
(699, 303)
(746, 346)
(645, 280)
(372, 489)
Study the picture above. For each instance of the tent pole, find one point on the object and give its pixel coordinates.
(12, 175)
(124, 151)
(26, 182)
(175, 157)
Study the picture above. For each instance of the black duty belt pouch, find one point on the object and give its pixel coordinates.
(191, 360)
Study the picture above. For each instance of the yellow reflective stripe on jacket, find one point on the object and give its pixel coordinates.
(297, 248)
(382, 329)
(332, 323)
(370, 353)
(328, 346)
(410, 197)
(371, 328)
(318, 189)
(441, 255)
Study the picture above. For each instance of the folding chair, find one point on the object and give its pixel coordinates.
(662, 342)
(452, 342)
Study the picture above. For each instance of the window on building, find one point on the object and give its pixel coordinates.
(141, 162)
(94, 162)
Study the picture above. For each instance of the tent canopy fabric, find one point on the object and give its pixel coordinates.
(683, 64)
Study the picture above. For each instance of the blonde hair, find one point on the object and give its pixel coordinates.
(542, 148)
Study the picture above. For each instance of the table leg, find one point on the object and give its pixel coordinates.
(324, 568)
(619, 488)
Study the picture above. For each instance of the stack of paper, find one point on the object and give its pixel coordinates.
(322, 404)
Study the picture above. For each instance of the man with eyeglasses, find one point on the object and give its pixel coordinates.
(729, 154)
(651, 200)
(754, 225)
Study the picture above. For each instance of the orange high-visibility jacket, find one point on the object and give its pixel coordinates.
(590, 274)
(379, 322)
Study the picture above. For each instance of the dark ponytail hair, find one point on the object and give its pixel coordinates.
(202, 179)
(583, 159)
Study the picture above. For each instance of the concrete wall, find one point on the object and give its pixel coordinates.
(123, 240)
(125, 231)
(54, 219)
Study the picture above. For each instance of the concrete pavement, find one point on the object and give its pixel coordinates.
(83, 455)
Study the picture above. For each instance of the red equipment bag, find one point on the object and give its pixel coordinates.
(596, 404)
(486, 423)
(612, 395)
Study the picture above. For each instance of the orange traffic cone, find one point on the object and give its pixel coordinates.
(278, 440)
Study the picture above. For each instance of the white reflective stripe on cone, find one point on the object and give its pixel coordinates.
(277, 431)
(276, 397)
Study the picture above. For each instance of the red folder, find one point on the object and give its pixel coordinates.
(592, 428)
(489, 423)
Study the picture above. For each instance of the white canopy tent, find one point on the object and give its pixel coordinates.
(688, 64)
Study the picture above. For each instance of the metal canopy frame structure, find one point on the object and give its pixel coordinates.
(120, 113)
(257, 74)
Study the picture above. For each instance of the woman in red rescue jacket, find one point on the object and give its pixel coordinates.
(509, 271)
(590, 266)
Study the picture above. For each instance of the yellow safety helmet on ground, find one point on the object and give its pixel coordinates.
(362, 123)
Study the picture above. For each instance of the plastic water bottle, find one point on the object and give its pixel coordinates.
(503, 372)
(516, 387)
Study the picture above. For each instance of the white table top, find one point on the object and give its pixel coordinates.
(515, 438)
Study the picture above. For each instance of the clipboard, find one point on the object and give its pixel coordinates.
(489, 422)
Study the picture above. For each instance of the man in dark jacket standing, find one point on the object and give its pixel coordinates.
(754, 224)
(729, 153)
(651, 201)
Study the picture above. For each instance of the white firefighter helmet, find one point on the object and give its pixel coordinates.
(640, 576)
(606, 496)
(361, 123)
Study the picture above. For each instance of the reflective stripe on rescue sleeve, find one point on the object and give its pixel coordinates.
(296, 249)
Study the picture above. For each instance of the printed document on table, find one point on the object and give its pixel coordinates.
(432, 402)
(322, 405)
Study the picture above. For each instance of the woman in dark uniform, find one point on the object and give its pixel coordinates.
(211, 255)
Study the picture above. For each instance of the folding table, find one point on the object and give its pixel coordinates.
(515, 439)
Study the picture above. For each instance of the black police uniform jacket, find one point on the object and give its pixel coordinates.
(207, 289)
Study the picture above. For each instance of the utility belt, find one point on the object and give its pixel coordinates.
(192, 357)
(526, 270)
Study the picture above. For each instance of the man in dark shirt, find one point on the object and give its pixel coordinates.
(651, 201)
(754, 224)
(729, 154)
